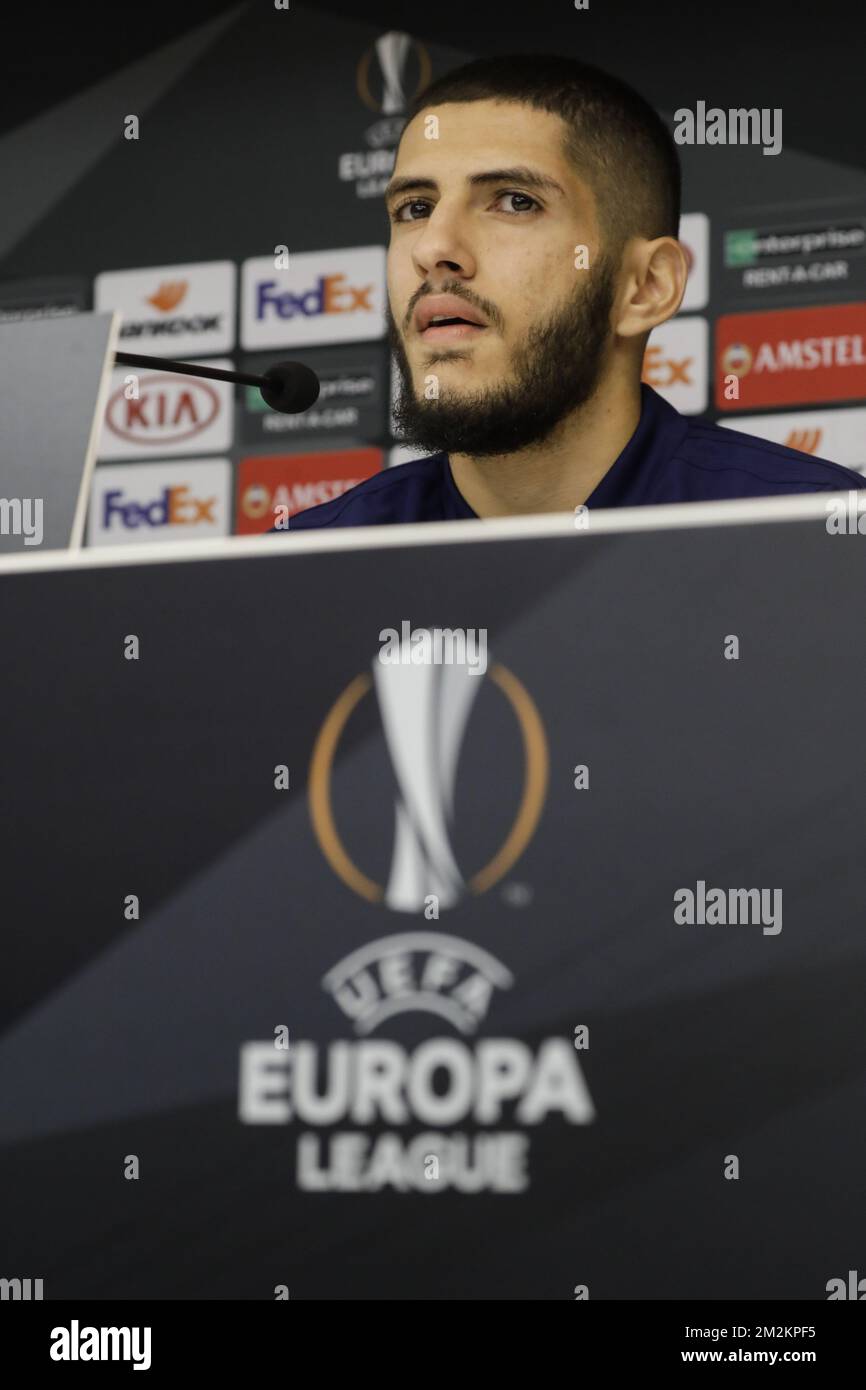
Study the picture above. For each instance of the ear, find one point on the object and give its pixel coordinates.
(653, 279)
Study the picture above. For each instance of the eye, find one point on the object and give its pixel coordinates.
(514, 212)
(409, 203)
(396, 215)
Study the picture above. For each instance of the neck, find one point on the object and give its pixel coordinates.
(560, 472)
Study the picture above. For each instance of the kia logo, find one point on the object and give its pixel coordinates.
(169, 410)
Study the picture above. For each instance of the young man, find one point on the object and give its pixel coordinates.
(529, 393)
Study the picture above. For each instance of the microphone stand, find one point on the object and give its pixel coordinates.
(290, 387)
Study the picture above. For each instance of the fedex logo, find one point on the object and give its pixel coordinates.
(175, 506)
(324, 297)
(131, 503)
(330, 296)
(659, 370)
(676, 365)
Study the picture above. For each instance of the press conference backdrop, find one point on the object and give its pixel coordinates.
(162, 186)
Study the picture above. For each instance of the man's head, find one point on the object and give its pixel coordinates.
(591, 165)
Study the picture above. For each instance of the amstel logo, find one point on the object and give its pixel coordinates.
(424, 711)
(256, 501)
(737, 359)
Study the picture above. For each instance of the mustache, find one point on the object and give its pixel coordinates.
(599, 272)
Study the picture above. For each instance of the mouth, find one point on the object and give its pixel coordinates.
(451, 330)
(447, 318)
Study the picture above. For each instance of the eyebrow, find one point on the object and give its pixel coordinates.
(521, 173)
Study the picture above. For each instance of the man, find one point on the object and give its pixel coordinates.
(534, 212)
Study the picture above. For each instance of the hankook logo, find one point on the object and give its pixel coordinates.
(168, 295)
(424, 711)
(391, 52)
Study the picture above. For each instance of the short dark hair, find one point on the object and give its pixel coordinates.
(614, 138)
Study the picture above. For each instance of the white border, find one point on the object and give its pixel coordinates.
(673, 516)
(82, 506)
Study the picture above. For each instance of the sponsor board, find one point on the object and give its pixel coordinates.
(296, 482)
(792, 356)
(350, 403)
(404, 453)
(172, 310)
(695, 238)
(154, 413)
(183, 500)
(810, 257)
(838, 435)
(676, 363)
(42, 297)
(323, 297)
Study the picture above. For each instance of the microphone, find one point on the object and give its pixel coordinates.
(289, 387)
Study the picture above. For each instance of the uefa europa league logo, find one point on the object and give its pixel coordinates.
(424, 711)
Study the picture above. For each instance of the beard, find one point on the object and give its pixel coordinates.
(555, 371)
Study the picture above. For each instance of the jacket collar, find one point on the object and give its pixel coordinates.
(630, 478)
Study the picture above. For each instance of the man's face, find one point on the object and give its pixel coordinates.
(506, 248)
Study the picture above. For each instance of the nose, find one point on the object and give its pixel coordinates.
(442, 247)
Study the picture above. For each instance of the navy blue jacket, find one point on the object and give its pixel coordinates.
(669, 458)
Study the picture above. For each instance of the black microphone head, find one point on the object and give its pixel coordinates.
(290, 387)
